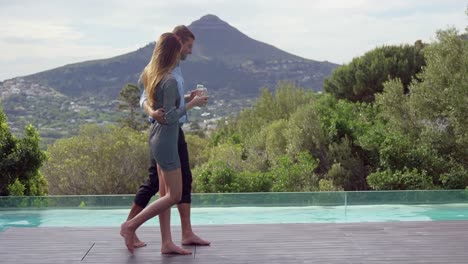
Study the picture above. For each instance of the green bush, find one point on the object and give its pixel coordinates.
(400, 180)
(328, 186)
(456, 178)
(100, 160)
(294, 174)
(216, 177)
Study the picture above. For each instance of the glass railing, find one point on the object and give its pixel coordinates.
(247, 199)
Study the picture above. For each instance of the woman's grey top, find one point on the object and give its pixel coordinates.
(163, 137)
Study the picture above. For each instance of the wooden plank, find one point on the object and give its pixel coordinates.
(389, 242)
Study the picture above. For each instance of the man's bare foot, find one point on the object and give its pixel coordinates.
(128, 236)
(194, 240)
(171, 248)
(137, 243)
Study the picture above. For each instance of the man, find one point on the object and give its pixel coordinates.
(151, 186)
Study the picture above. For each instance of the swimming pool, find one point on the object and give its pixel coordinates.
(245, 208)
(240, 215)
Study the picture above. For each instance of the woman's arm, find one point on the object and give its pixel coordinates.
(171, 94)
(157, 114)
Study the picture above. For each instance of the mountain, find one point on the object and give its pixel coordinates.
(217, 39)
(233, 66)
(224, 60)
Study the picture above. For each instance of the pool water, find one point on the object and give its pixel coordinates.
(240, 215)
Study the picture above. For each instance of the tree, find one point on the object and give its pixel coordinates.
(130, 101)
(276, 139)
(20, 161)
(100, 160)
(305, 133)
(294, 174)
(268, 108)
(198, 149)
(361, 79)
(424, 140)
(440, 103)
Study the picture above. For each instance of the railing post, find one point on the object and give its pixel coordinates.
(345, 203)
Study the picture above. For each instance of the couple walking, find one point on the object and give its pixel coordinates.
(165, 102)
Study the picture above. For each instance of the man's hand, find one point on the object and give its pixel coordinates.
(189, 97)
(197, 101)
(159, 115)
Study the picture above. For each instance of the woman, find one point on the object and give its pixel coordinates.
(161, 89)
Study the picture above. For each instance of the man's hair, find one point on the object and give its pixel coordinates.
(183, 33)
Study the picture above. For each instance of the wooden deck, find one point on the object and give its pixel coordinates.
(394, 242)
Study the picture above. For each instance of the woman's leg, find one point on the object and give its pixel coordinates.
(173, 180)
(165, 216)
(167, 245)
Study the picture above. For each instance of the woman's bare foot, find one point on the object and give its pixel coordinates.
(171, 248)
(128, 236)
(137, 243)
(193, 239)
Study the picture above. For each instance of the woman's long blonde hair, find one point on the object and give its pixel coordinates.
(165, 57)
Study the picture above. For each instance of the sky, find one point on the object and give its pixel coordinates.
(40, 35)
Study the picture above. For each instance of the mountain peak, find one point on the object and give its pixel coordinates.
(210, 17)
(208, 21)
